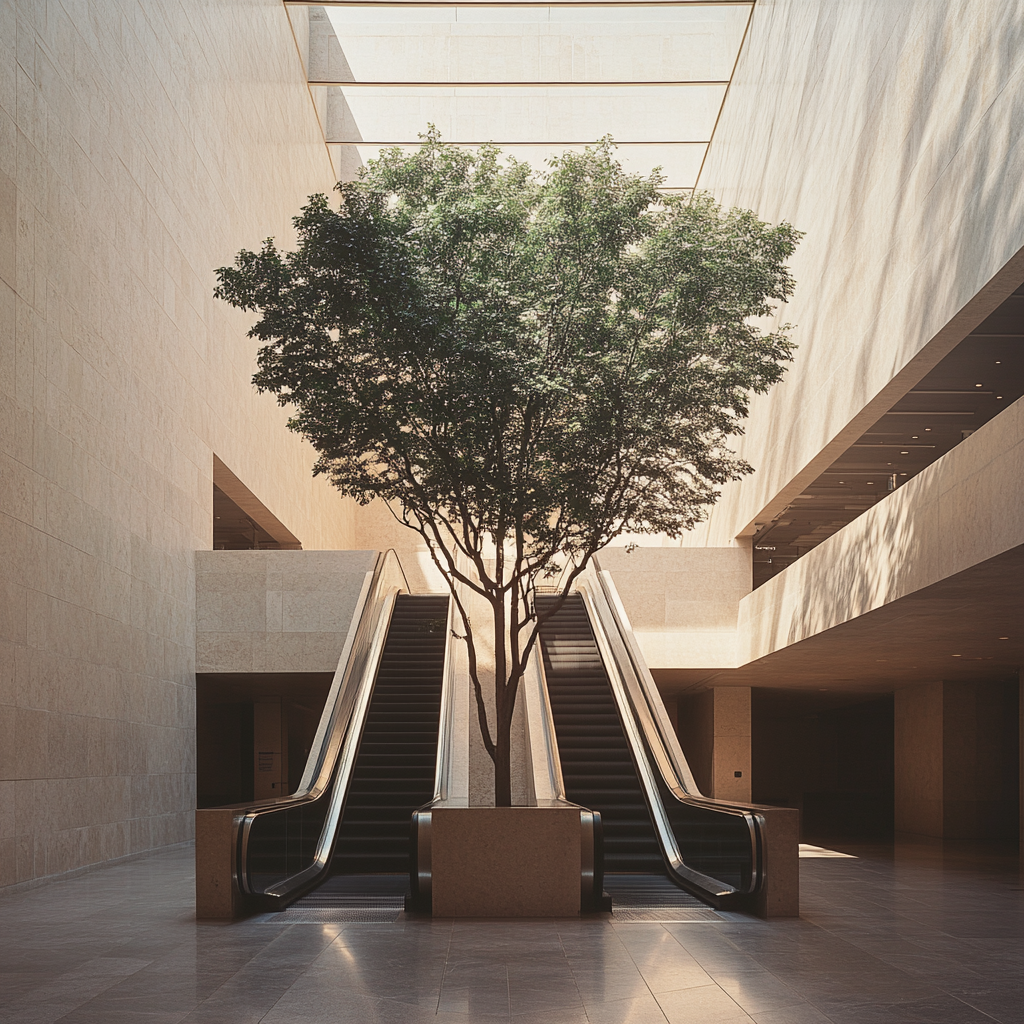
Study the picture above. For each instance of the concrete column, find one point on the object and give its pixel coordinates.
(917, 729)
(714, 732)
(956, 761)
(730, 770)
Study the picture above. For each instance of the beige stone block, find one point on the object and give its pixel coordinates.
(31, 743)
(732, 711)
(9, 861)
(302, 652)
(505, 862)
(228, 652)
(8, 229)
(275, 611)
(8, 804)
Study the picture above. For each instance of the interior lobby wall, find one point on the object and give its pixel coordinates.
(888, 132)
(956, 760)
(141, 146)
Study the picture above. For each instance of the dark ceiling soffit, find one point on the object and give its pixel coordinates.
(252, 506)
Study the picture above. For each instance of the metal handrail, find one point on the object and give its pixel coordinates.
(541, 727)
(648, 731)
(336, 743)
(446, 719)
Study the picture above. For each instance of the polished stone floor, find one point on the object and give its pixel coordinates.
(919, 932)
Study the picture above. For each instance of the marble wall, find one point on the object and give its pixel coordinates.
(142, 144)
(889, 132)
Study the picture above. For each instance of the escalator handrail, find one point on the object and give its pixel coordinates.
(445, 763)
(665, 743)
(340, 729)
(638, 721)
(536, 688)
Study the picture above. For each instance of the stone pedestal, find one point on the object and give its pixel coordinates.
(780, 894)
(505, 861)
(217, 893)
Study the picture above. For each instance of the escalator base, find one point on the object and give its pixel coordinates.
(652, 897)
(680, 916)
(356, 899)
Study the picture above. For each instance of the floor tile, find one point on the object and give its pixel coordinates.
(900, 935)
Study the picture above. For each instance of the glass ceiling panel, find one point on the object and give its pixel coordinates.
(540, 115)
(679, 164)
(536, 44)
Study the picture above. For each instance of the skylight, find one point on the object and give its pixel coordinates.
(531, 77)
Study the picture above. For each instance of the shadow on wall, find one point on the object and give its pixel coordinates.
(869, 564)
(327, 63)
(873, 287)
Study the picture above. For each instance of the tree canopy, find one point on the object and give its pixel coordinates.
(523, 364)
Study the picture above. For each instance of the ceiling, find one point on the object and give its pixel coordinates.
(235, 530)
(534, 78)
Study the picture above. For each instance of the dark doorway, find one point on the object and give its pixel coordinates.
(828, 753)
(234, 712)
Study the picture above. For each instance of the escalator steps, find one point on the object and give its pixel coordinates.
(597, 766)
(394, 772)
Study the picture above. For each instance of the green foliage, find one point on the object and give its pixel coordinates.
(564, 354)
(534, 361)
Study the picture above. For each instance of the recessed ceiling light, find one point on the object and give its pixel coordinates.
(957, 655)
(998, 361)
(903, 474)
(1004, 638)
(914, 438)
(871, 483)
(904, 453)
(979, 385)
(999, 396)
(926, 429)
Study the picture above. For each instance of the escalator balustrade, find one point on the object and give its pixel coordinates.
(599, 771)
(393, 772)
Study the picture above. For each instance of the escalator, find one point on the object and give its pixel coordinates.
(597, 767)
(394, 773)
(658, 830)
(373, 762)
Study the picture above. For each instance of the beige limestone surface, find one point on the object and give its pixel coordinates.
(141, 146)
(276, 611)
(682, 603)
(891, 133)
(958, 512)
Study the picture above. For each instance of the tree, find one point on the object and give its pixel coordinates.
(523, 365)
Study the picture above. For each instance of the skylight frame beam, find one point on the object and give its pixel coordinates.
(532, 143)
(519, 3)
(518, 85)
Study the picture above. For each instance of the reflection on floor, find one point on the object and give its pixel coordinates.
(920, 932)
